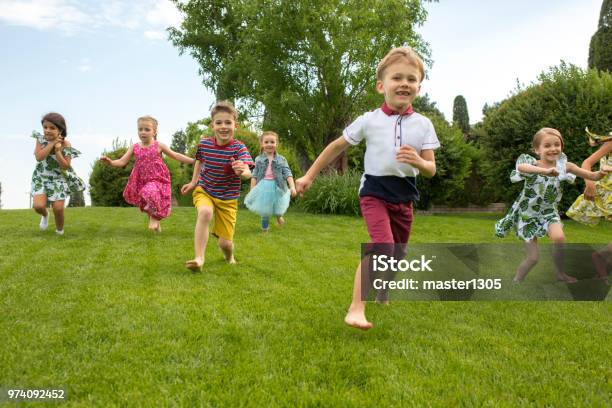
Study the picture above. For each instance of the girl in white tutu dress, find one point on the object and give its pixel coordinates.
(272, 183)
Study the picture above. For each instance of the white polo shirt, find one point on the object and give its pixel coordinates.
(384, 132)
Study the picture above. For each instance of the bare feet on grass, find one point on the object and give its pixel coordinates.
(564, 277)
(356, 318)
(280, 221)
(154, 225)
(195, 265)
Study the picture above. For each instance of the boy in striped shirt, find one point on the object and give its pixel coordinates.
(220, 163)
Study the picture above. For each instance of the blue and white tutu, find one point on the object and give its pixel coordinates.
(267, 199)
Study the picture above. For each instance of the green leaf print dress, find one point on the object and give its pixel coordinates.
(49, 178)
(536, 207)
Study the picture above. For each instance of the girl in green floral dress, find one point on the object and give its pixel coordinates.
(53, 178)
(534, 213)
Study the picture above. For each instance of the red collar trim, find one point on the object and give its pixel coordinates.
(388, 111)
(223, 145)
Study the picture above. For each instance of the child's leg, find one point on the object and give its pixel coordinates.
(227, 247)
(555, 232)
(154, 224)
(39, 203)
(355, 316)
(280, 220)
(531, 248)
(58, 213)
(200, 238)
(265, 223)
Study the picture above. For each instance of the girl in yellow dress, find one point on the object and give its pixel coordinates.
(596, 202)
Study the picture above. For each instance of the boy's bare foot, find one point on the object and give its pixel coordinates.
(194, 265)
(564, 277)
(280, 221)
(357, 319)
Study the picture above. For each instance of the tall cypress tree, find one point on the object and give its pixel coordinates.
(600, 50)
(461, 117)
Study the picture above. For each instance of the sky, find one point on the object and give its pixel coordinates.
(102, 64)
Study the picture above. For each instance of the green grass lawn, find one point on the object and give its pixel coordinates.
(109, 313)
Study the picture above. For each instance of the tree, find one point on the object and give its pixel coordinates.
(179, 142)
(461, 116)
(600, 49)
(307, 67)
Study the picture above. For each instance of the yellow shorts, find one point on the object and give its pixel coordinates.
(224, 212)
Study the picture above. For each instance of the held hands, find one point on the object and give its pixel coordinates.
(293, 192)
(187, 188)
(302, 185)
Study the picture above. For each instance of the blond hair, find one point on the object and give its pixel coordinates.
(224, 106)
(148, 118)
(537, 138)
(395, 55)
(268, 133)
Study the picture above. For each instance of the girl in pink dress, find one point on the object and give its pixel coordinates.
(149, 184)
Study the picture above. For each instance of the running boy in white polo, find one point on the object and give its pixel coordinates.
(399, 145)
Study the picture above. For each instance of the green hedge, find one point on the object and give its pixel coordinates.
(333, 194)
(567, 98)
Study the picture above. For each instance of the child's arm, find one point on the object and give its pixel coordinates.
(327, 155)
(585, 174)
(589, 162)
(291, 186)
(425, 162)
(194, 178)
(175, 155)
(122, 162)
(63, 161)
(40, 152)
(253, 182)
(531, 169)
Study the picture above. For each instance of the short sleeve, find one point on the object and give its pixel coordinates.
(517, 176)
(354, 133)
(244, 156)
(71, 152)
(430, 141)
(562, 169)
(200, 152)
(39, 137)
(286, 169)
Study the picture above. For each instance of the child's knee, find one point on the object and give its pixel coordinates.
(205, 214)
(558, 237)
(39, 207)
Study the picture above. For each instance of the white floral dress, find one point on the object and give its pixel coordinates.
(536, 207)
(49, 178)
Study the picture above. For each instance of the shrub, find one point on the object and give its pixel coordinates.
(106, 183)
(333, 193)
(566, 98)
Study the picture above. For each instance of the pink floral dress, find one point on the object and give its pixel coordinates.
(149, 184)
